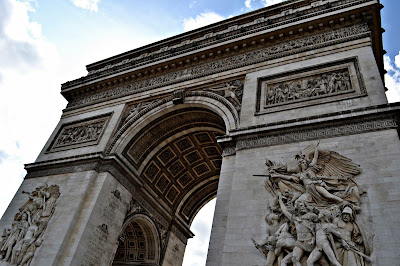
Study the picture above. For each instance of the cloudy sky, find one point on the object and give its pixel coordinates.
(44, 43)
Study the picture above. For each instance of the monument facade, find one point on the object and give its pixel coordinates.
(280, 113)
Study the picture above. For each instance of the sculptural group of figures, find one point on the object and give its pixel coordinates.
(325, 84)
(79, 134)
(19, 243)
(313, 217)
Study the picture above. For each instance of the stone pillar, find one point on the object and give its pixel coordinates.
(217, 238)
(86, 222)
(99, 224)
(175, 251)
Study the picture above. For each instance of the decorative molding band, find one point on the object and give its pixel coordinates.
(337, 80)
(228, 151)
(150, 106)
(134, 118)
(212, 38)
(286, 48)
(355, 126)
(224, 100)
(81, 133)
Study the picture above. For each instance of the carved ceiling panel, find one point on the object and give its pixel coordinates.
(177, 154)
(182, 164)
(166, 127)
(136, 246)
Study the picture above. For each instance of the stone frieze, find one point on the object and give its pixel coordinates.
(80, 133)
(308, 86)
(301, 44)
(235, 31)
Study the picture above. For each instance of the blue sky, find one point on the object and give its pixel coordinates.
(44, 43)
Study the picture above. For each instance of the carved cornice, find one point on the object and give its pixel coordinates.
(258, 21)
(318, 131)
(286, 48)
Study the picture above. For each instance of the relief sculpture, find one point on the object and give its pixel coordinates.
(232, 91)
(331, 83)
(312, 219)
(18, 244)
(80, 133)
(84, 133)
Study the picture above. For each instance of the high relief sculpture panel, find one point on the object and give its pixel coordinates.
(312, 219)
(19, 243)
(81, 133)
(309, 86)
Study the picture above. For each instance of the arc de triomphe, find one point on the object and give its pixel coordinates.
(280, 113)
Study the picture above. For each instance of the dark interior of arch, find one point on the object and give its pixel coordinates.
(179, 155)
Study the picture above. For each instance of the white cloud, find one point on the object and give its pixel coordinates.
(247, 3)
(272, 2)
(392, 78)
(29, 85)
(91, 5)
(197, 247)
(201, 20)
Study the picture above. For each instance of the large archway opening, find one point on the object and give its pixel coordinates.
(197, 247)
(178, 160)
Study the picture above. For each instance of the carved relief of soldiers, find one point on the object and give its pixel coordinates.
(304, 221)
(319, 198)
(79, 134)
(355, 250)
(20, 242)
(325, 84)
(268, 245)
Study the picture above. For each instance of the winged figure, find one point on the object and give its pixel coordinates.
(321, 177)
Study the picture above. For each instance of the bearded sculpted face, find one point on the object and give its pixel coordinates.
(301, 206)
(346, 217)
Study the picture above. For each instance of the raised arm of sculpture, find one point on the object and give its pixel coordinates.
(284, 209)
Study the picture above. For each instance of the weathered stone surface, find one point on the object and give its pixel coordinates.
(135, 154)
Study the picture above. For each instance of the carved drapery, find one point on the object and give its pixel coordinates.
(232, 91)
(313, 215)
(19, 243)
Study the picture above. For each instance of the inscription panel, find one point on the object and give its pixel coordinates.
(97, 249)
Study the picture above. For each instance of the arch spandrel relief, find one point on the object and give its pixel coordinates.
(19, 243)
(312, 219)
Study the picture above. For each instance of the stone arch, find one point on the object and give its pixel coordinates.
(204, 99)
(196, 198)
(139, 243)
(176, 152)
(172, 149)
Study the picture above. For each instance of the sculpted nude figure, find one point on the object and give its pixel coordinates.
(324, 241)
(305, 228)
